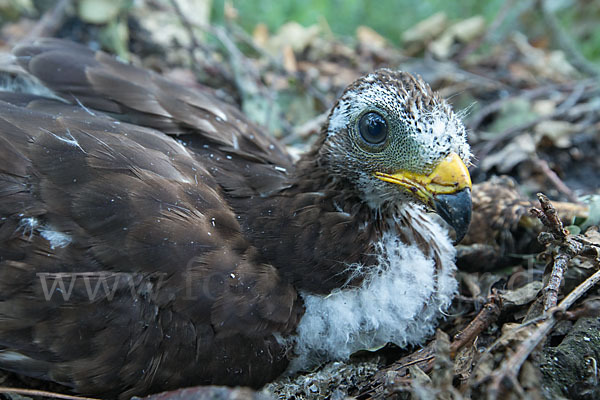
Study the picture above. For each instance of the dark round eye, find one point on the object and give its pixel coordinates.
(373, 128)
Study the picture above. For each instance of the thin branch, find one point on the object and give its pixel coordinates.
(196, 44)
(278, 65)
(424, 358)
(543, 91)
(42, 393)
(50, 22)
(186, 25)
(549, 217)
(486, 317)
(555, 180)
(559, 268)
(562, 246)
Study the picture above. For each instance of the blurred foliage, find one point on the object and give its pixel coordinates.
(391, 18)
(101, 11)
(581, 19)
(388, 17)
(12, 9)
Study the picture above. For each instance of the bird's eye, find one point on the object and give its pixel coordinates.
(373, 128)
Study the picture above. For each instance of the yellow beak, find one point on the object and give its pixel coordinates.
(450, 176)
(447, 189)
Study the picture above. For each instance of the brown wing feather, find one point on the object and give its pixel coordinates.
(245, 161)
(147, 220)
(101, 82)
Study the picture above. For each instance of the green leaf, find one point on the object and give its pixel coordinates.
(100, 11)
(115, 37)
(594, 213)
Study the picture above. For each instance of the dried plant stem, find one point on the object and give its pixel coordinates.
(397, 375)
(555, 180)
(51, 21)
(564, 109)
(42, 393)
(562, 246)
(552, 289)
(487, 316)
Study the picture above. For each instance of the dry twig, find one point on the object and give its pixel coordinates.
(545, 91)
(396, 376)
(487, 316)
(51, 21)
(562, 246)
(197, 45)
(42, 393)
(555, 180)
(496, 23)
(564, 108)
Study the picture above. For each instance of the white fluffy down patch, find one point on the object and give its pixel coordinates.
(55, 238)
(398, 302)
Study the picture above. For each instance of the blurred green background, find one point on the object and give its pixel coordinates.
(390, 18)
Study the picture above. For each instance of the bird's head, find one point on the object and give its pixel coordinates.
(397, 141)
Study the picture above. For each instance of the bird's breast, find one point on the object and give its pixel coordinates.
(398, 301)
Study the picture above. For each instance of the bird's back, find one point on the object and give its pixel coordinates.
(123, 267)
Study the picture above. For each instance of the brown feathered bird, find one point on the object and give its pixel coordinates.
(152, 238)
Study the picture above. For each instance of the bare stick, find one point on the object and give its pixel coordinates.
(555, 179)
(562, 246)
(425, 358)
(496, 23)
(51, 21)
(195, 43)
(552, 289)
(487, 316)
(42, 393)
(549, 218)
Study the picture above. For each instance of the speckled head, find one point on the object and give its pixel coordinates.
(397, 140)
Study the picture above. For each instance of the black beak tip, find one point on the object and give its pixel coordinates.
(455, 209)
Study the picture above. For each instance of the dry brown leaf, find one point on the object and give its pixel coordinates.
(463, 31)
(558, 133)
(522, 295)
(426, 30)
(292, 34)
(289, 59)
(514, 332)
(543, 64)
(368, 37)
(260, 35)
(463, 362)
(518, 150)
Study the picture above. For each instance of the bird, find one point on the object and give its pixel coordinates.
(152, 237)
(502, 228)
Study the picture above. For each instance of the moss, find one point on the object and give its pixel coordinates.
(571, 368)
